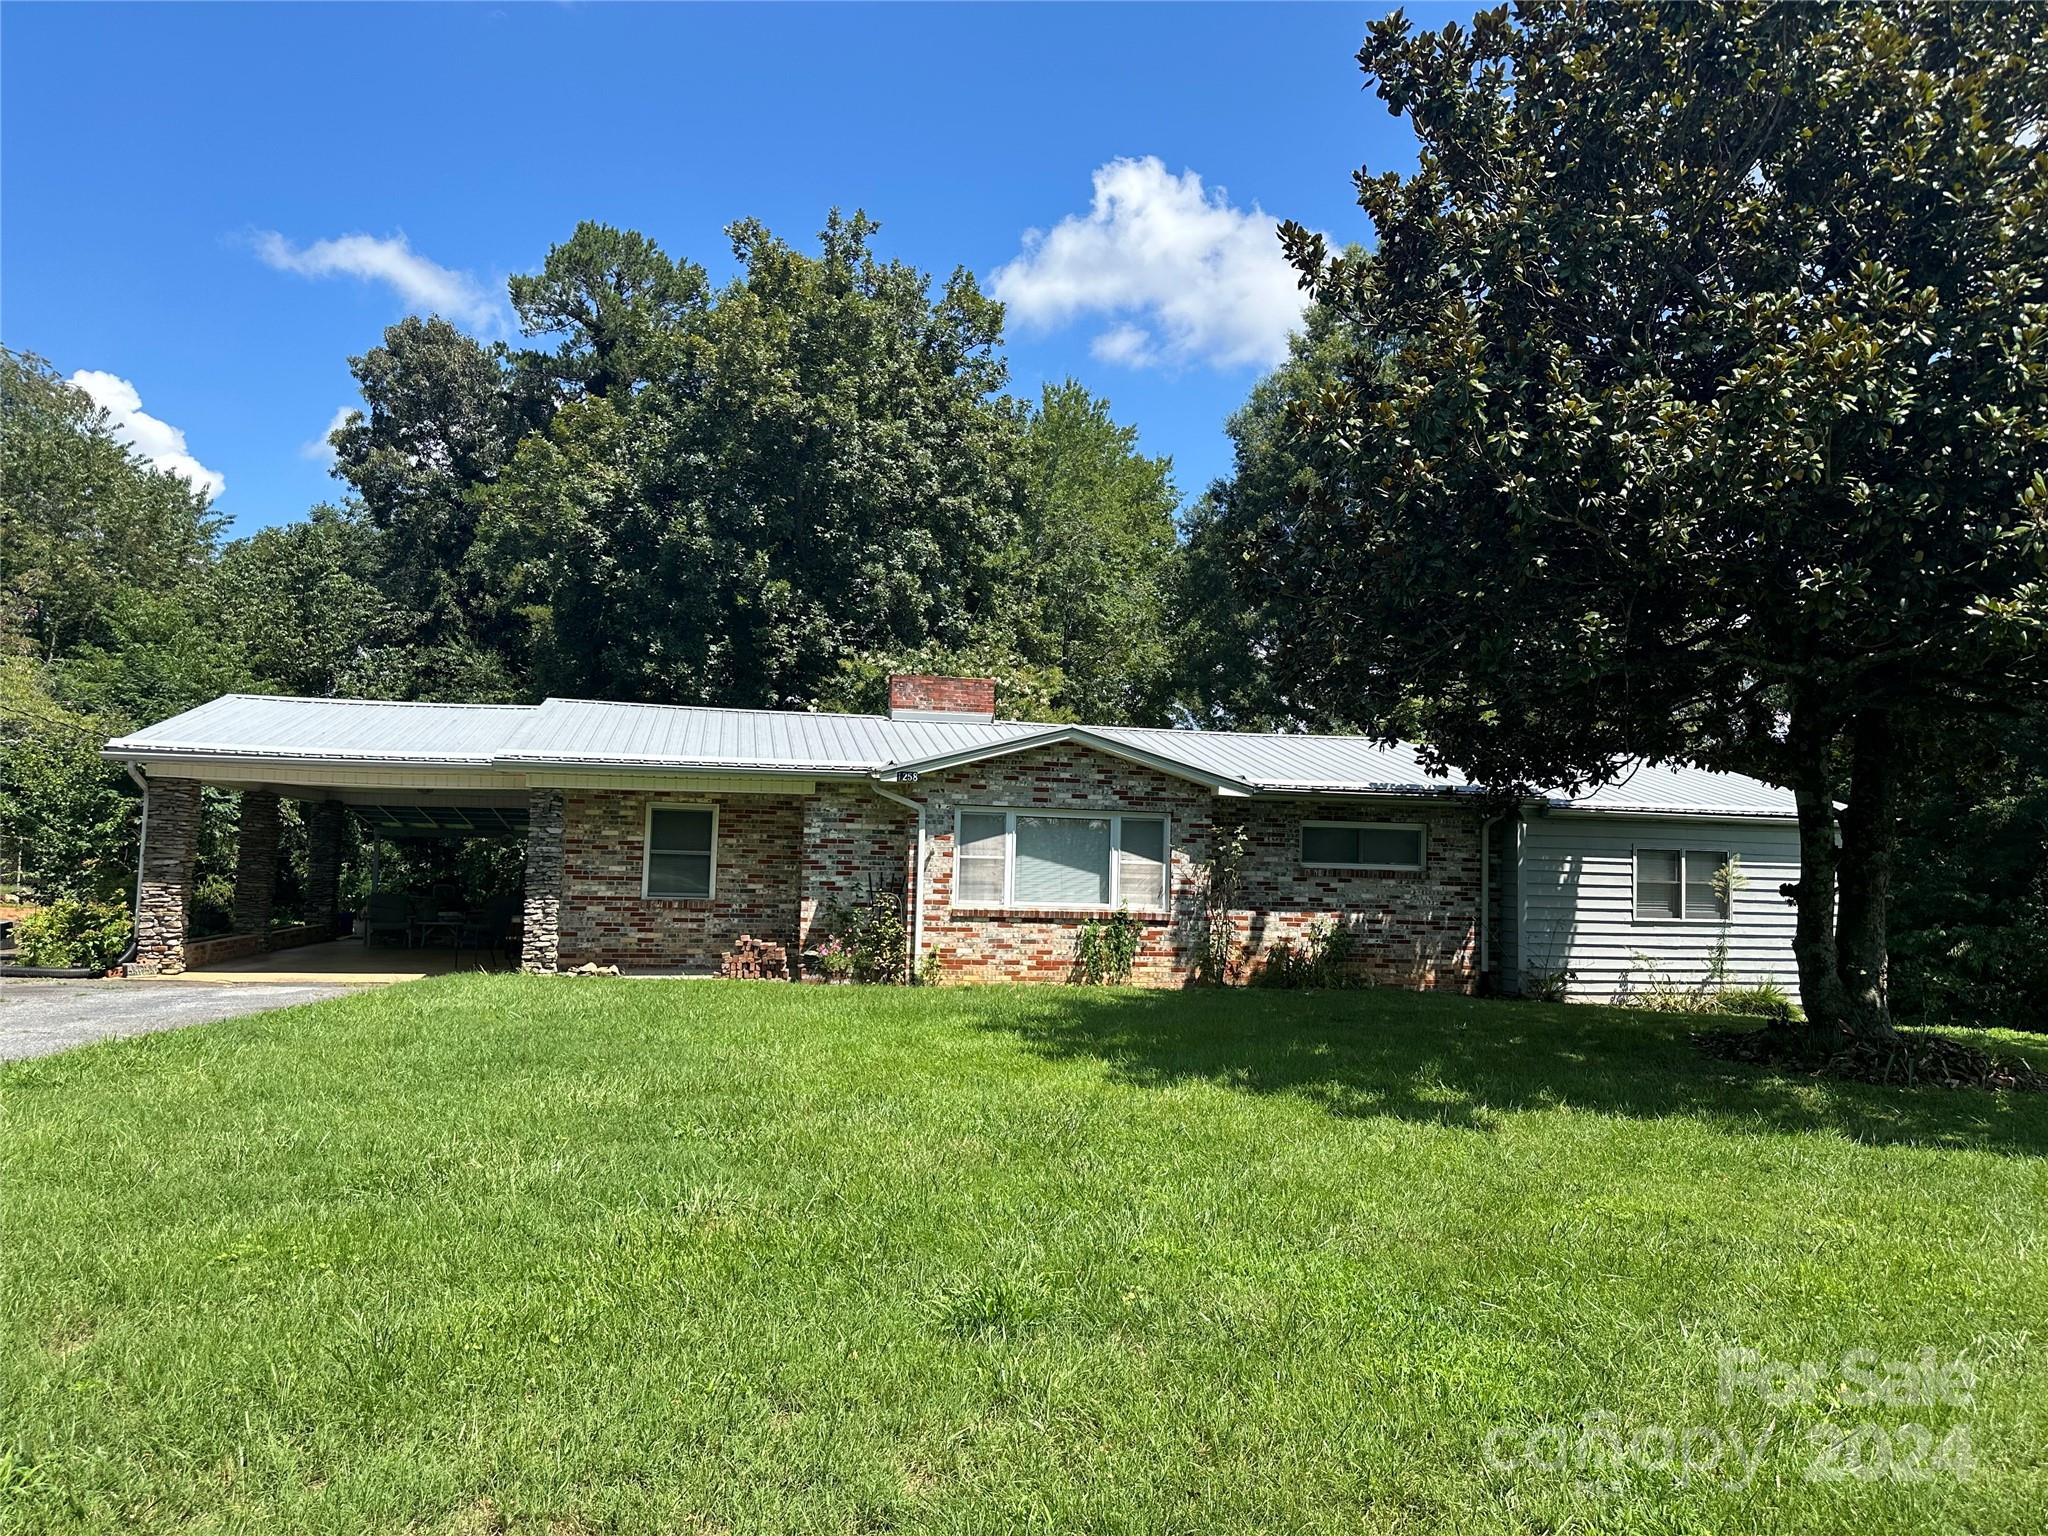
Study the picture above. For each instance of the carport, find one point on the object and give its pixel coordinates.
(401, 772)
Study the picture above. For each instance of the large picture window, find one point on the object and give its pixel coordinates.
(1362, 845)
(1681, 885)
(682, 849)
(1081, 859)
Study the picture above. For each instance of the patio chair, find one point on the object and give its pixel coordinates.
(490, 929)
(388, 913)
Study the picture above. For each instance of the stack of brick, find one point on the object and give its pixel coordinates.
(752, 959)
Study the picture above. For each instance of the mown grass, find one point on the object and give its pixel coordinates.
(515, 1254)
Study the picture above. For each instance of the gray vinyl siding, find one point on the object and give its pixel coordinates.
(1575, 900)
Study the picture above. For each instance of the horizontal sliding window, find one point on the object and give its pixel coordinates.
(681, 848)
(1060, 859)
(1361, 845)
(1681, 885)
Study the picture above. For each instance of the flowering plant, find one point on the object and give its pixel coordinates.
(835, 959)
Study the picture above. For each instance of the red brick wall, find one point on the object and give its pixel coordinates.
(957, 695)
(983, 944)
(854, 842)
(783, 860)
(604, 918)
(1408, 930)
(1412, 930)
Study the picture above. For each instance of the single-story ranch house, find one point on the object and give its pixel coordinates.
(656, 836)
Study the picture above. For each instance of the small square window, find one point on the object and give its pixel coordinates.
(680, 844)
(1681, 885)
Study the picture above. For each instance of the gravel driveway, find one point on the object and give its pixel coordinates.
(38, 1018)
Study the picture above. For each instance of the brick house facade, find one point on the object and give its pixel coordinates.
(658, 837)
(783, 862)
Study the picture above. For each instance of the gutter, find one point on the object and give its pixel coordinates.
(917, 885)
(1486, 893)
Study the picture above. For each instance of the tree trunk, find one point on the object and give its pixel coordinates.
(1813, 894)
(1813, 932)
(1865, 872)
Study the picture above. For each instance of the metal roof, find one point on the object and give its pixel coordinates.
(583, 733)
(275, 728)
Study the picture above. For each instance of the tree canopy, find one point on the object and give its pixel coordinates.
(1699, 410)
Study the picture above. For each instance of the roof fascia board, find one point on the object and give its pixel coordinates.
(1643, 813)
(537, 765)
(730, 782)
(115, 752)
(1064, 735)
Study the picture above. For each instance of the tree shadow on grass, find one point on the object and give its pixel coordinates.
(1455, 1061)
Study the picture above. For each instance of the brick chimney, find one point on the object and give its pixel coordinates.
(926, 696)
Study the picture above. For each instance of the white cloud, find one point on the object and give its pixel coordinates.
(319, 450)
(422, 284)
(162, 444)
(1186, 276)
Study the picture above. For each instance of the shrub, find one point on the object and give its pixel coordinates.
(1760, 1000)
(1105, 949)
(213, 907)
(1316, 961)
(1551, 986)
(74, 934)
(1216, 956)
(873, 933)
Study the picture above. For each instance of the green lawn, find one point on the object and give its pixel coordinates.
(572, 1256)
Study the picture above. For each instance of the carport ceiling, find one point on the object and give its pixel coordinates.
(440, 820)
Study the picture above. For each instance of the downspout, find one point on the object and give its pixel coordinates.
(1486, 895)
(141, 853)
(917, 874)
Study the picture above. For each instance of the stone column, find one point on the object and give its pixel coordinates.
(164, 904)
(323, 864)
(256, 863)
(540, 931)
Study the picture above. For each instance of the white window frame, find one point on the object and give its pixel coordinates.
(647, 848)
(1010, 813)
(1635, 867)
(1422, 852)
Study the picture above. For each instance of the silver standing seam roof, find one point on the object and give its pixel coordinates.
(593, 734)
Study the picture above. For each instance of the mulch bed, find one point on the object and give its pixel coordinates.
(1912, 1058)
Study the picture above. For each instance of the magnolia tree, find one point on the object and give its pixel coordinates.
(1698, 410)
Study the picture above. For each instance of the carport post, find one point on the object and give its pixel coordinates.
(323, 864)
(163, 898)
(256, 836)
(540, 932)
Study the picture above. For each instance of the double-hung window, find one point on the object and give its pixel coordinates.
(1681, 885)
(1391, 845)
(682, 846)
(1082, 859)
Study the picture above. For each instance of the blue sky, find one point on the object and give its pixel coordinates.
(179, 185)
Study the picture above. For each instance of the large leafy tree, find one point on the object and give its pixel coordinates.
(306, 601)
(1237, 605)
(1717, 420)
(104, 564)
(1094, 560)
(817, 466)
(85, 525)
(621, 307)
(443, 414)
